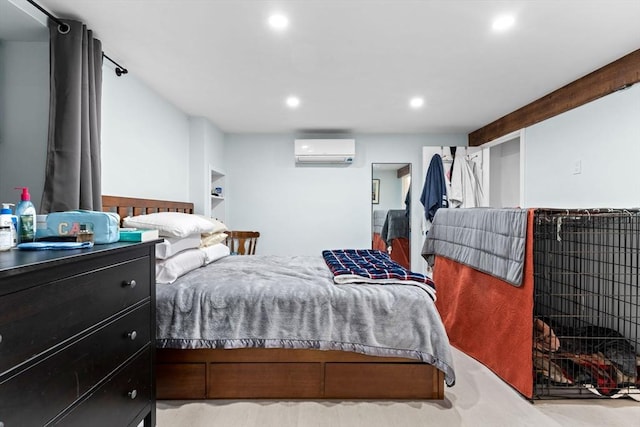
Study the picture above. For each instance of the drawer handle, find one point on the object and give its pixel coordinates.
(1, 341)
(132, 336)
(132, 394)
(130, 283)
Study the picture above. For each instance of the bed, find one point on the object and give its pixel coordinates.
(330, 366)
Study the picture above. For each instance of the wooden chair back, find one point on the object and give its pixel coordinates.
(242, 242)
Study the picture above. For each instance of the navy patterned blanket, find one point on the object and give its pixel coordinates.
(372, 266)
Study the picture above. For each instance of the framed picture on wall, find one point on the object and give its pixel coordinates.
(375, 191)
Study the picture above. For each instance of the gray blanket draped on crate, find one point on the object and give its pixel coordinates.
(379, 217)
(292, 302)
(396, 225)
(490, 240)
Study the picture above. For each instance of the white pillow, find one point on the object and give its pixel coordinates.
(212, 239)
(173, 245)
(217, 225)
(172, 224)
(215, 252)
(168, 270)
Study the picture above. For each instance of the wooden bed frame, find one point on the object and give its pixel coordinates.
(279, 373)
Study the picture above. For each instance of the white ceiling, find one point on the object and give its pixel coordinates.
(355, 63)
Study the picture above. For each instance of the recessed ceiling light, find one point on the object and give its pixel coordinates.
(503, 22)
(416, 102)
(293, 102)
(278, 21)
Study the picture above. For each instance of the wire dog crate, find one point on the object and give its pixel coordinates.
(586, 303)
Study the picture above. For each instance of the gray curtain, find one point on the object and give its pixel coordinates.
(73, 168)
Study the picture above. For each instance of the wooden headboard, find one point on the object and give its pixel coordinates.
(130, 206)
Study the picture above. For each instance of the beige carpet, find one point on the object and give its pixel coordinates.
(479, 398)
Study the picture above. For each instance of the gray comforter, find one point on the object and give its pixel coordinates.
(490, 240)
(292, 302)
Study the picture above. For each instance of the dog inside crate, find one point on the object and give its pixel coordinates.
(586, 304)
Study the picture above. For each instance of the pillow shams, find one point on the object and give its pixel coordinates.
(215, 252)
(171, 224)
(168, 270)
(173, 245)
(212, 239)
(218, 226)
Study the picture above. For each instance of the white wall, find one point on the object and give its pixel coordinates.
(24, 118)
(305, 209)
(604, 138)
(145, 141)
(143, 135)
(390, 195)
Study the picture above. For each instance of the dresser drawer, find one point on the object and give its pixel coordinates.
(118, 401)
(39, 393)
(33, 320)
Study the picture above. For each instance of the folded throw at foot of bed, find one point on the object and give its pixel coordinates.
(372, 266)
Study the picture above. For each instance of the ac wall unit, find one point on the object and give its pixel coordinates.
(325, 150)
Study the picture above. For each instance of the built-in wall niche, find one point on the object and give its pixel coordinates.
(503, 171)
(217, 194)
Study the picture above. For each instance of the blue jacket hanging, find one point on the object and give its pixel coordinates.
(434, 191)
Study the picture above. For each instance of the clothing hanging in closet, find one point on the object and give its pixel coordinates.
(466, 185)
(434, 191)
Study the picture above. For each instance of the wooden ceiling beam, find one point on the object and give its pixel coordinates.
(405, 170)
(615, 76)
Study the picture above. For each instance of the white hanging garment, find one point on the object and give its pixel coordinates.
(466, 187)
(456, 187)
(477, 182)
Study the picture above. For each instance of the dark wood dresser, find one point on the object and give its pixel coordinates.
(77, 334)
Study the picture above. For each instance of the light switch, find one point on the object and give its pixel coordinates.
(577, 167)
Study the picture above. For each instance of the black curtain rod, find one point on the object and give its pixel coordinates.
(120, 70)
(64, 29)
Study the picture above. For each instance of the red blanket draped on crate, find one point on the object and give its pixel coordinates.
(489, 319)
